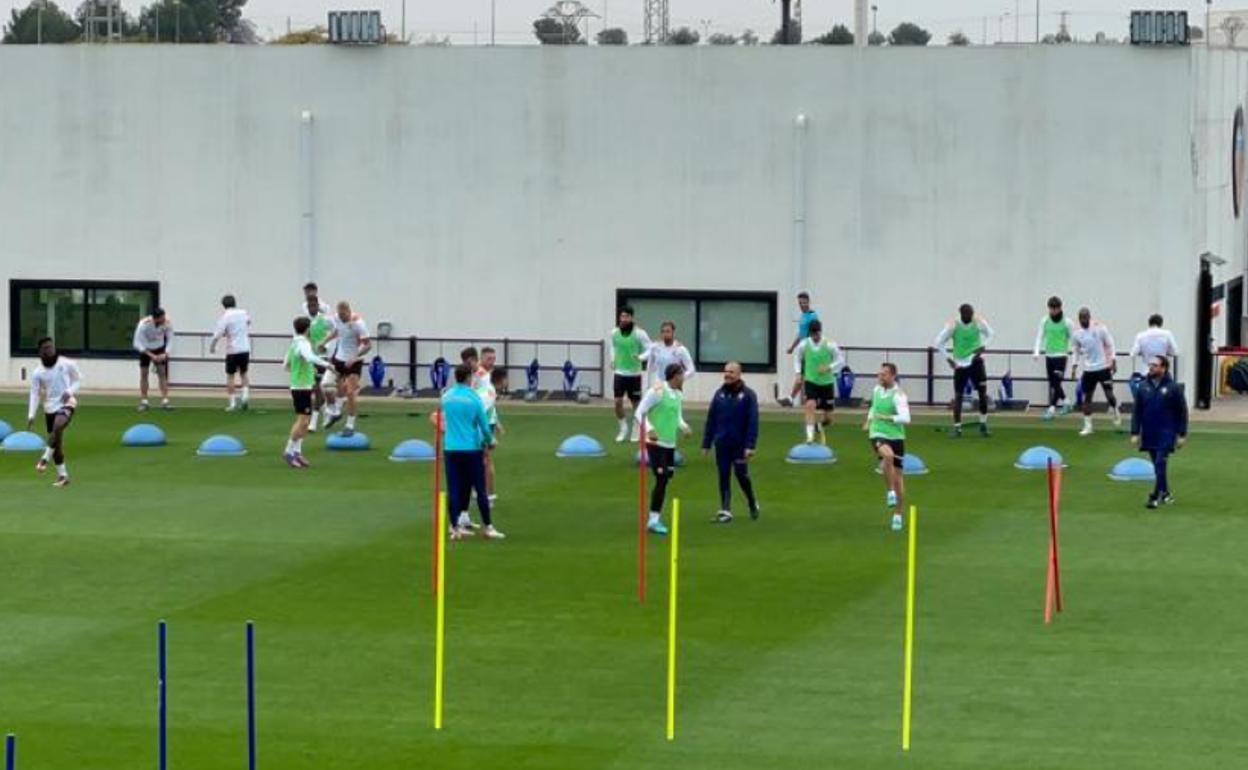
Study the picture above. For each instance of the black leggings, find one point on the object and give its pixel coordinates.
(662, 461)
(1055, 370)
(730, 459)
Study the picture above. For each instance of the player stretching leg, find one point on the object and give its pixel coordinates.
(302, 363)
(1094, 347)
(324, 404)
(886, 428)
(662, 410)
(153, 340)
(970, 335)
(55, 382)
(628, 344)
(816, 361)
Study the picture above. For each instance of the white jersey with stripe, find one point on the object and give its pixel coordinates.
(56, 385)
(149, 336)
(349, 335)
(1094, 347)
(1151, 343)
(234, 326)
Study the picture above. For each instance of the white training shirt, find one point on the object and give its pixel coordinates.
(350, 336)
(1094, 347)
(944, 341)
(234, 326)
(149, 336)
(1152, 342)
(799, 354)
(57, 385)
(659, 356)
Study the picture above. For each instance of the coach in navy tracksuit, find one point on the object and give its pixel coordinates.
(732, 425)
(1159, 423)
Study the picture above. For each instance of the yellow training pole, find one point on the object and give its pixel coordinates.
(439, 655)
(671, 625)
(909, 686)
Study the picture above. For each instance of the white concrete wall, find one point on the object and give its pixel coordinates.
(483, 192)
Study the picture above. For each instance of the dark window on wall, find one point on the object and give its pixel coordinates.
(86, 318)
(716, 326)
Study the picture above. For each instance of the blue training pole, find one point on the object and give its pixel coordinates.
(10, 752)
(251, 695)
(163, 684)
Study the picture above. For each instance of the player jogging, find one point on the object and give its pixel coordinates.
(153, 341)
(664, 353)
(302, 363)
(1094, 348)
(234, 326)
(886, 429)
(324, 404)
(1151, 343)
(1053, 339)
(628, 344)
(662, 410)
(817, 360)
(969, 334)
(351, 335)
(804, 321)
(55, 382)
(485, 384)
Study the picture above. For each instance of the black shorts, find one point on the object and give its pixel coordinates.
(824, 396)
(627, 385)
(302, 400)
(898, 446)
(320, 373)
(342, 370)
(145, 361)
(661, 459)
(49, 420)
(1089, 380)
(976, 373)
(237, 363)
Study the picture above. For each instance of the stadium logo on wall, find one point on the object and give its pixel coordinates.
(1238, 162)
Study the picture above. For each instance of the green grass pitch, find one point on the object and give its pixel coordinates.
(791, 643)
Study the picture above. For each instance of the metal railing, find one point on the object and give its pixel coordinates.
(408, 360)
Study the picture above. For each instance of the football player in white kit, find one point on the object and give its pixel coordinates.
(153, 341)
(665, 352)
(234, 326)
(1094, 349)
(55, 383)
(351, 335)
(1153, 342)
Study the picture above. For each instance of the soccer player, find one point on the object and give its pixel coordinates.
(153, 340)
(804, 321)
(662, 408)
(1159, 424)
(321, 326)
(1094, 348)
(351, 337)
(970, 334)
(1053, 338)
(732, 426)
(467, 433)
(302, 363)
(1152, 342)
(886, 429)
(628, 344)
(816, 361)
(234, 326)
(664, 353)
(55, 381)
(485, 383)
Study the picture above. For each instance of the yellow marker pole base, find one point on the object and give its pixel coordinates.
(439, 655)
(671, 624)
(909, 675)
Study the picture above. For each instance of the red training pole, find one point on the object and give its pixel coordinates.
(1054, 564)
(437, 491)
(641, 514)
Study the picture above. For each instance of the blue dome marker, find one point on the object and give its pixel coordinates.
(5, 430)
(143, 434)
(1037, 458)
(810, 454)
(1133, 469)
(221, 445)
(23, 441)
(413, 450)
(580, 445)
(911, 465)
(356, 442)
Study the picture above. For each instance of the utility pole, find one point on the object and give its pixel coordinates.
(1037, 21)
(785, 21)
(493, 21)
(1017, 16)
(39, 24)
(402, 21)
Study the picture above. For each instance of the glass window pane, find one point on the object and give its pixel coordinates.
(50, 312)
(735, 330)
(651, 313)
(112, 314)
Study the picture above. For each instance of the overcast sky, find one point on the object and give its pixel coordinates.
(466, 20)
